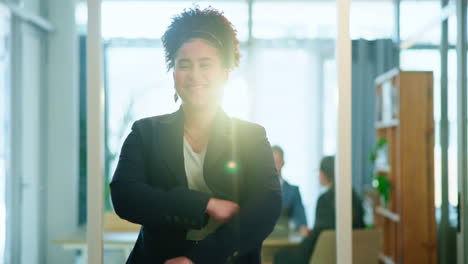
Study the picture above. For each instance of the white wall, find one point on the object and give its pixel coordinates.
(24, 184)
(33, 6)
(62, 129)
(30, 153)
(43, 187)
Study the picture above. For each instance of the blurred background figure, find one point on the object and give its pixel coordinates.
(324, 217)
(292, 202)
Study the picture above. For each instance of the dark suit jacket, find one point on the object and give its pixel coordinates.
(292, 204)
(325, 218)
(149, 188)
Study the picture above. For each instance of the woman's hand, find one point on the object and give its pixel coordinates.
(179, 260)
(304, 231)
(221, 210)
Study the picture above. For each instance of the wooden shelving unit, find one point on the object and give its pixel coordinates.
(386, 124)
(404, 117)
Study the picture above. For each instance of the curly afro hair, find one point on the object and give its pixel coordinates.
(208, 24)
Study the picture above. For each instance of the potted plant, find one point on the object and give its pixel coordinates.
(380, 181)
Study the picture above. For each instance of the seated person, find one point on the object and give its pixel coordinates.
(324, 217)
(293, 210)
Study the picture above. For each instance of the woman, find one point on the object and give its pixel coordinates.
(202, 185)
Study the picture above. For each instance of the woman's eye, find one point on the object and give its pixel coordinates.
(205, 66)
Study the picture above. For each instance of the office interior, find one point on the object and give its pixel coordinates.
(287, 81)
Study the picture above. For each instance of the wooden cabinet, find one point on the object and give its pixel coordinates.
(404, 117)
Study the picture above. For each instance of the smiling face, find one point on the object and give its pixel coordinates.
(199, 74)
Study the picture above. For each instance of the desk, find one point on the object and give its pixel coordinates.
(271, 245)
(124, 241)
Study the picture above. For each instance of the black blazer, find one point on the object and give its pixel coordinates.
(149, 188)
(325, 218)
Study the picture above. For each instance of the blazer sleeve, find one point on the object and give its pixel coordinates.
(298, 213)
(258, 213)
(136, 201)
(325, 212)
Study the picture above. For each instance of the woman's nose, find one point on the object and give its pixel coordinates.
(195, 74)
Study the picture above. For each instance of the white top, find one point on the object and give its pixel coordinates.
(194, 171)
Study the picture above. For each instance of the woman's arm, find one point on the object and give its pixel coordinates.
(138, 202)
(257, 215)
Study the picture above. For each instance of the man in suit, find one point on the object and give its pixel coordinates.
(292, 202)
(324, 217)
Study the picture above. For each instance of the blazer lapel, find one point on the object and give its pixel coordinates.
(221, 154)
(171, 144)
(220, 140)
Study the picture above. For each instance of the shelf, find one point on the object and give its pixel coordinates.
(388, 214)
(382, 169)
(385, 259)
(387, 76)
(387, 124)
